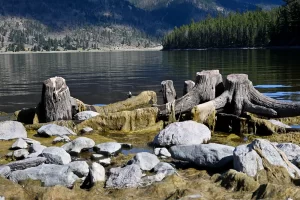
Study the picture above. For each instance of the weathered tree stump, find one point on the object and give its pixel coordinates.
(240, 97)
(56, 101)
(208, 84)
(168, 91)
(188, 86)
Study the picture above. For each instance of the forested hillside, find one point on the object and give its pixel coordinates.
(279, 26)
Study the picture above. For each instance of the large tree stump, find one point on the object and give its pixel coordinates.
(168, 91)
(188, 86)
(240, 97)
(56, 101)
(207, 86)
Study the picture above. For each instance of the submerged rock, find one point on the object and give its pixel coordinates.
(19, 144)
(79, 144)
(12, 130)
(261, 154)
(145, 160)
(48, 174)
(54, 130)
(183, 133)
(127, 177)
(204, 155)
(85, 115)
(56, 155)
(108, 148)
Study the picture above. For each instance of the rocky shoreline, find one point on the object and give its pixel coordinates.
(65, 149)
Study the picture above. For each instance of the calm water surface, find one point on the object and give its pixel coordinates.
(102, 78)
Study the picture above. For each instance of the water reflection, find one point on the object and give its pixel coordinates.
(107, 77)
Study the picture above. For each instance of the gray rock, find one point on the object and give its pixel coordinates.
(97, 157)
(19, 144)
(63, 138)
(145, 160)
(292, 151)
(148, 180)
(56, 155)
(27, 163)
(21, 154)
(247, 160)
(79, 144)
(165, 168)
(85, 115)
(127, 177)
(204, 155)
(108, 148)
(31, 141)
(183, 133)
(12, 130)
(36, 148)
(80, 168)
(104, 161)
(5, 171)
(54, 130)
(97, 173)
(48, 174)
(163, 152)
(86, 130)
(278, 123)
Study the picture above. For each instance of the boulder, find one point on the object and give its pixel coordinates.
(27, 163)
(260, 155)
(86, 130)
(56, 155)
(19, 144)
(63, 138)
(31, 141)
(183, 133)
(12, 130)
(79, 168)
(48, 174)
(292, 151)
(204, 155)
(104, 161)
(165, 168)
(85, 115)
(126, 177)
(96, 156)
(162, 152)
(108, 148)
(79, 144)
(5, 171)
(97, 173)
(54, 130)
(36, 149)
(56, 101)
(145, 160)
(20, 154)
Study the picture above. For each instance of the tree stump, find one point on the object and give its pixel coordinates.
(240, 97)
(188, 86)
(168, 90)
(208, 84)
(56, 101)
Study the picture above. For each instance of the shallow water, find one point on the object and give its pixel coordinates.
(102, 78)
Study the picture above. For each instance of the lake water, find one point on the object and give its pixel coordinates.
(102, 78)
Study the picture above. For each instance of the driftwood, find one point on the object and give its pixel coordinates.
(188, 86)
(208, 85)
(168, 90)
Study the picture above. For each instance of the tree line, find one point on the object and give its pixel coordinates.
(279, 26)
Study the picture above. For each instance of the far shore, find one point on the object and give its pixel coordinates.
(235, 48)
(113, 49)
